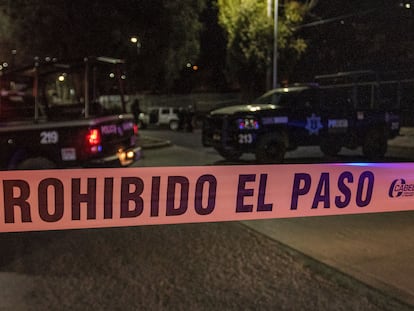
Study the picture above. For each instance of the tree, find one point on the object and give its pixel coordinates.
(358, 35)
(167, 29)
(183, 37)
(250, 39)
(6, 45)
(61, 29)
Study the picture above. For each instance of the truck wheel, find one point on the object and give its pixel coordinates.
(229, 154)
(36, 164)
(174, 125)
(330, 147)
(272, 148)
(375, 143)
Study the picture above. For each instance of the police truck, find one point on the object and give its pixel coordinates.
(51, 117)
(338, 110)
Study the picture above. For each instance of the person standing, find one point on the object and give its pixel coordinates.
(136, 110)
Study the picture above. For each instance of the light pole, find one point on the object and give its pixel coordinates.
(271, 79)
(275, 20)
(13, 53)
(269, 69)
(135, 60)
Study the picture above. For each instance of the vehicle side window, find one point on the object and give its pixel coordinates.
(273, 99)
(165, 111)
(287, 99)
(308, 99)
(338, 98)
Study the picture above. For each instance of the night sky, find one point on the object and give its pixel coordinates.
(371, 35)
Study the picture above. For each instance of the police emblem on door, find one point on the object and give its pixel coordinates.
(313, 124)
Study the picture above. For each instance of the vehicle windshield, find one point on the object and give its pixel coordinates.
(284, 97)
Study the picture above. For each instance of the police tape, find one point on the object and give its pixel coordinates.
(95, 198)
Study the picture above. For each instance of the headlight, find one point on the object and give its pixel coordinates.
(248, 124)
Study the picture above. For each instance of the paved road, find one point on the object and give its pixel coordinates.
(376, 249)
(214, 266)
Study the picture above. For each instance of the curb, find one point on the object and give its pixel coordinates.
(404, 140)
(152, 143)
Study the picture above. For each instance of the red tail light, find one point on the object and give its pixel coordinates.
(93, 140)
(135, 129)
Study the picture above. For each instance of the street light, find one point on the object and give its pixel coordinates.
(136, 41)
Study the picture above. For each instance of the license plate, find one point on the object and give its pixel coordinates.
(216, 137)
(68, 154)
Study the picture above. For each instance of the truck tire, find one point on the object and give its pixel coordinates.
(229, 154)
(174, 125)
(272, 148)
(38, 163)
(375, 143)
(329, 146)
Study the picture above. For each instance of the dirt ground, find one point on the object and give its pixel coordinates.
(216, 266)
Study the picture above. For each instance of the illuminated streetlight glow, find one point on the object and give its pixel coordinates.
(135, 40)
(61, 78)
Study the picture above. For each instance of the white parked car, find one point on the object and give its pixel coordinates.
(160, 116)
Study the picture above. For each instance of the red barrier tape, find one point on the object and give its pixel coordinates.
(92, 198)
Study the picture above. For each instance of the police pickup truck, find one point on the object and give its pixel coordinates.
(347, 112)
(50, 116)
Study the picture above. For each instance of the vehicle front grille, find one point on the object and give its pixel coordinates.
(214, 123)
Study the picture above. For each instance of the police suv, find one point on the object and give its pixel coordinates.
(348, 112)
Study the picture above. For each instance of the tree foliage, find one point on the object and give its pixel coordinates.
(250, 37)
(168, 31)
(184, 44)
(5, 34)
(358, 35)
